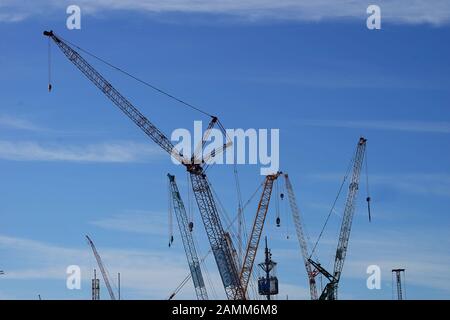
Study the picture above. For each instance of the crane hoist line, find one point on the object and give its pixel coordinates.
(195, 165)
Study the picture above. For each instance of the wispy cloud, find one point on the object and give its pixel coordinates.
(422, 251)
(409, 126)
(415, 11)
(144, 222)
(18, 123)
(413, 183)
(102, 152)
(141, 269)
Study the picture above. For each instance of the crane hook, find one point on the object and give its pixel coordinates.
(368, 208)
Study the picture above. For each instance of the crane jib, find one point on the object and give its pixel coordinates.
(200, 184)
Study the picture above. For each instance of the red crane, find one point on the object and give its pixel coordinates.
(255, 235)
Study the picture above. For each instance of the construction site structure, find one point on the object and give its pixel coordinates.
(195, 164)
(310, 270)
(95, 287)
(397, 273)
(102, 268)
(268, 284)
(188, 240)
(258, 225)
(330, 290)
(119, 283)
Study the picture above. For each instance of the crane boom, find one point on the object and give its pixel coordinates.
(349, 210)
(116, 97)
(188, 240)
(330, 290)
(255, 235)
(102, 268)
(301, 238)
(200, 185)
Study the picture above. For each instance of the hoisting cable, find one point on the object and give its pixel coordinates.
(170, 212)
(138, 79)
(190, 210)
(368, 199)
(49, 62)
(239, 213)
(277, 205)
(333, 206)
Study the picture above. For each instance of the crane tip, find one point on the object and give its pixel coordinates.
(48, 33)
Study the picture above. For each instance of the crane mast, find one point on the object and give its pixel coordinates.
(200, 185)
(188, 240)
(102, 268)
(330, 290)
(258, 225)
(301, 238)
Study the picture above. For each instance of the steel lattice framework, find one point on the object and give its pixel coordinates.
(102, 268)
(205, 201)
(301, 238)
(188, 240)
(258, 225)
(330, 290)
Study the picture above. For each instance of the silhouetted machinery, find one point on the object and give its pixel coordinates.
(268, 284)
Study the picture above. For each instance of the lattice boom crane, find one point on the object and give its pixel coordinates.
(188, 240)
(102, 268)
(301, 238)
(258, 225)
(194, 165)
(330, 290)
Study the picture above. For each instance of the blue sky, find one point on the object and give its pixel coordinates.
(71, 164)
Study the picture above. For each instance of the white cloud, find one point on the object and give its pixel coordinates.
(409, 126)
(17, 123)
(413, 183)
(397, 11)
(422, 252)
(142, 271)
(144, 222)
(100, 152)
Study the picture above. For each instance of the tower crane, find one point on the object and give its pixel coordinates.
(102, 269)
(188, 240)
(255, 235)
(195, 165)
(330, 290)
(301, 238)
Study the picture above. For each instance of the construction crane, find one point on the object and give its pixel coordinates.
(310, 271)
(255, 235)
(102, 268)
(195, 165)
(399, 281)
(188, 240)
(330, 290)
